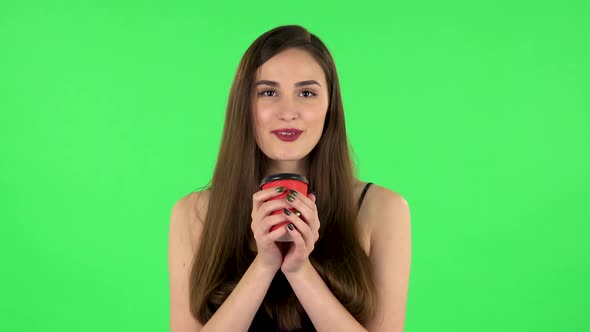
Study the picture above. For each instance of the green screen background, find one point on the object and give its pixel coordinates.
(477, 113)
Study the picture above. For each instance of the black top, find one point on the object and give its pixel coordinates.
(263, 323)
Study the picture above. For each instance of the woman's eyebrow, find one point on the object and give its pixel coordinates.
(273, 83)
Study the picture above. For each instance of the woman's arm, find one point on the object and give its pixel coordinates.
(390, 258)
(323, 308)
(238, 310)
(180, 252)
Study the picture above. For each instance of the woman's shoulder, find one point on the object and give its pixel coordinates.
(199, 201)
(375, 194)
(377, 199)
(194, 206)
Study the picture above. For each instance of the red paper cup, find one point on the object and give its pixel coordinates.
(292, 181)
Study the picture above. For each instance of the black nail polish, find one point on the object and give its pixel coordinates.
(290, 226)
(290, 198)
(292, 192)
(280, 189)
(287, 212)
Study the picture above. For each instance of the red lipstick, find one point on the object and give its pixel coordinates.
(287, 134)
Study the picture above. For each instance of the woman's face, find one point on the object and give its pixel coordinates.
(291, 93)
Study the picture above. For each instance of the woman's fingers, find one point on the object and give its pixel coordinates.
(277, 233)
(259, 197)
(272, 220)
(303, 229)
(271, 206)
(263, 227)
(298, 240)
(307, 208)
(266, 209)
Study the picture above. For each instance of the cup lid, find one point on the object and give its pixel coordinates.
(283, 176)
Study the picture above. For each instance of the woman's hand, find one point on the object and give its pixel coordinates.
(268, 252)
(305, 232)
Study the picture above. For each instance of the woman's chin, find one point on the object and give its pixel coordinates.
(290, 157)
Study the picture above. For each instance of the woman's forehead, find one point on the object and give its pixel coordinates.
(290, 60)
(290, 76)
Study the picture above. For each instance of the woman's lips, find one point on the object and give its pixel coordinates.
(288, 138)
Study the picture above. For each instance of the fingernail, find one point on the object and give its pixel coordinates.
(292, 192)
(315, 194)
(297, 213)
(280, 189)
(290, 226)
(290, 198)
(287, 212)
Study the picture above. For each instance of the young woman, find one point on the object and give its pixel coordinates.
(347, 268)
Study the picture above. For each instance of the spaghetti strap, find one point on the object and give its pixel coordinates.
(363, 194)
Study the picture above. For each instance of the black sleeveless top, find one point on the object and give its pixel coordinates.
(262, 322)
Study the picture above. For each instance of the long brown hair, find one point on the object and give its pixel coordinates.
(225, 250)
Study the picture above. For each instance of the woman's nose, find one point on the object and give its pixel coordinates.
(288, 109)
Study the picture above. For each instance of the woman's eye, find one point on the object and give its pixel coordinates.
(263, 93)
(311, 93)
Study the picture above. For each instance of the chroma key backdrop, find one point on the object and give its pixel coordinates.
(476, 112)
